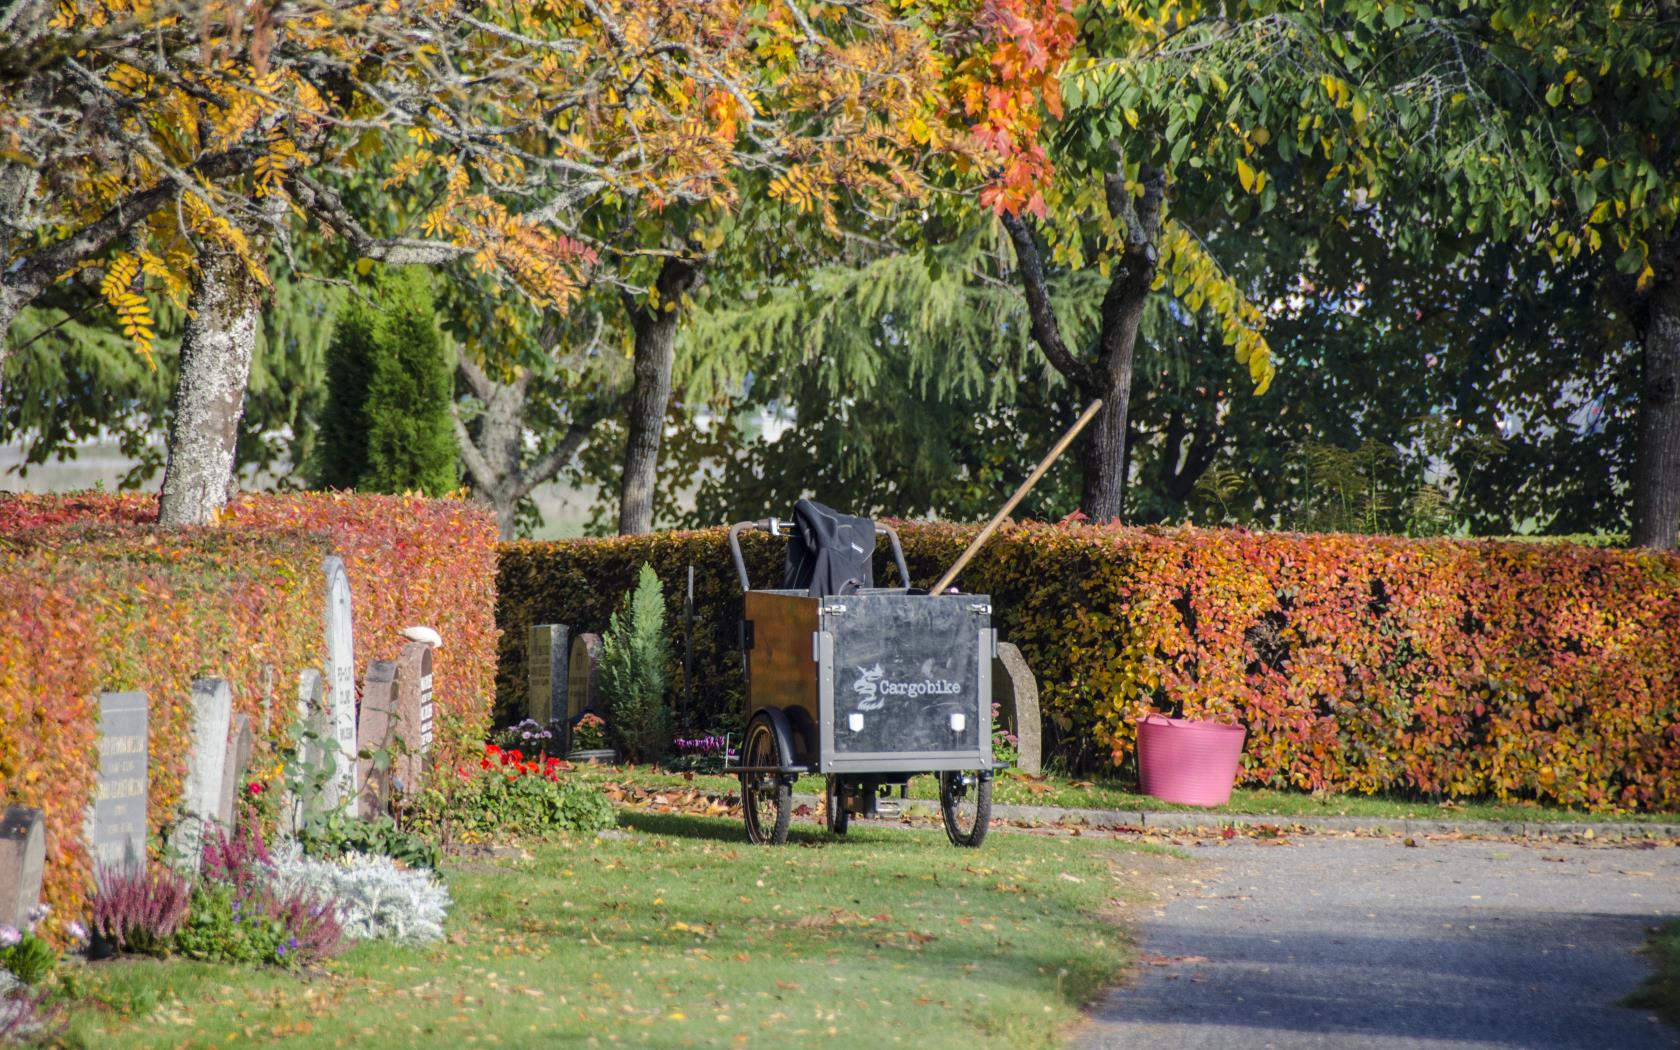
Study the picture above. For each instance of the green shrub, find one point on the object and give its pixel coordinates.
(218, 928)
(633, 655)
(386, 425)
(31, 960)
(337, 834)
(507, 794)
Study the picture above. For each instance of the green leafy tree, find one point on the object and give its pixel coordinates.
(633, 656)
(387, 425)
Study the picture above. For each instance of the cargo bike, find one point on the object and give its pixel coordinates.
(865, 686)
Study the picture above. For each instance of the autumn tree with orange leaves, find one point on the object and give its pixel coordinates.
(170, 148)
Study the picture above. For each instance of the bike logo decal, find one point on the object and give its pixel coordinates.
(873, 687)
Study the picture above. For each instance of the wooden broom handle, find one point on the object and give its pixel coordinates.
(1020, 494)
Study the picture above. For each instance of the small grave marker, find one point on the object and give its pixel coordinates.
(311, 716)
(410, 734)
(116, 822)
(23, 854)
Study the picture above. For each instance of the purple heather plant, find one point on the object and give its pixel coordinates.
(139, 911)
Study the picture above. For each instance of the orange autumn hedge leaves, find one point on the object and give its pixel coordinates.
(1358, 663)
(94, 598)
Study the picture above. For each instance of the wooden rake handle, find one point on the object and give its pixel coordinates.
(1020, 494)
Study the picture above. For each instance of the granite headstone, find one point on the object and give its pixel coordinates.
(23, 855)
(410, 733)
(582, 676)
(239, 746)
(547, 656)
(1015, 691)
(116, 822)
(341, 680)
(375, 732)
(211, 711)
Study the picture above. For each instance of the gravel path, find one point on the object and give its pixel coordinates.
(1338, 942)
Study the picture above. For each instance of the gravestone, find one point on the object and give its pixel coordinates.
(1016, 693)
(583, 673)
(341, 681)
(311, 716)
(378, 720)
(23, 854)
(233, 770)
(410, 733)
(116, 822)
(207, 753)
(547, 657)
(265, 687)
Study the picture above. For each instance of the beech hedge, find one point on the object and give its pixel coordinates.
(1512, 670)
(94, 598)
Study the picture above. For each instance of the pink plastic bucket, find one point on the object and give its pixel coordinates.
(1194, 763)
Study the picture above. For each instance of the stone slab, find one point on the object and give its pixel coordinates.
(116, 825)
(375, 728)
(1015, 691)
(548, 653)
(23, 857)
(201, 791)
(341, 678)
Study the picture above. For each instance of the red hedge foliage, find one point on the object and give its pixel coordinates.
(1358, 663)
(96, 608)
(110, 603)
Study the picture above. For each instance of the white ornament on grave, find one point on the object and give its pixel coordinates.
(201, 790)
(115, 825)
(341, 682)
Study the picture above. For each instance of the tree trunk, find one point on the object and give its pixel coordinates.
(216, 349)
(655, 326)
(1656, 467)
(494, 456)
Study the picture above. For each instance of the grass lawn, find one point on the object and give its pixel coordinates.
(1661, 991)
(680, 933)
(1064, 792)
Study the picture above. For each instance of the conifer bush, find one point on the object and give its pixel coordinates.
(633, 655)
(386, 427)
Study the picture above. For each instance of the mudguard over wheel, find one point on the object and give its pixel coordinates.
(965, 801)
(835, 804)
(766, 797)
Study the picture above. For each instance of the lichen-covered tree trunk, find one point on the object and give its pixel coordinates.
(655, 326)
(216, 348)
(1656, 469)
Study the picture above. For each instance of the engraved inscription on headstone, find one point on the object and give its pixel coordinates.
(207, 753)
(547, 657)
(376, 726)
(116, 822)
(341, 678)
(583, 670)
(23, 855)
(427, 707)
(233, 769)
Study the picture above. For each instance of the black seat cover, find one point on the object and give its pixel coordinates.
(829, 552)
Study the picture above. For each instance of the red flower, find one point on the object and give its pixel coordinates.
(256, 787)
(517, 755)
